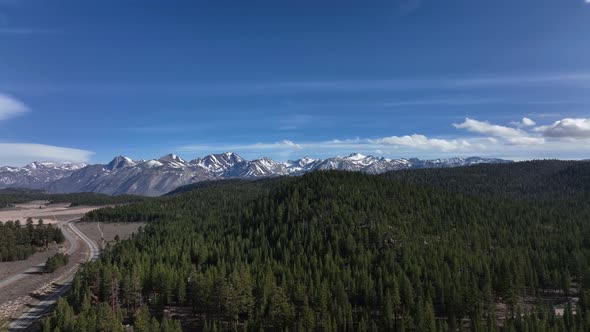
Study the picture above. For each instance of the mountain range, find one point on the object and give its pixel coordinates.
(159, 176)
(36, 175)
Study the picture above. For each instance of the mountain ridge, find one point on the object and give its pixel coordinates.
(156, 177)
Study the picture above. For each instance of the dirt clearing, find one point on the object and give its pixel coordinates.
(98, 232)
(50, 213)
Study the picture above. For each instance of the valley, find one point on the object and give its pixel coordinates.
(27, 292)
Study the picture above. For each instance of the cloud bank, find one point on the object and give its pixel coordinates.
(18, 154)
(567, 139)
(510, 135)
(567, 128)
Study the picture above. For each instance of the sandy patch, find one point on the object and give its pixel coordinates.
(41, 210)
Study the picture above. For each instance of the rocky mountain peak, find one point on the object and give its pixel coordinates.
(171, 158)
(119, 162)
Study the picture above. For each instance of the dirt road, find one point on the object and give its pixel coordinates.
(40, 267)
(61, 286)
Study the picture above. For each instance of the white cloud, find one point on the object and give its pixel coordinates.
(10, 107)
(424, 143)
(525, 122)
(525, 140)
(290, 144)
(566, 128)
(18, 154)
(567, 138)
(528, 122)
(486, 128)
(511, 136)
(383, 145)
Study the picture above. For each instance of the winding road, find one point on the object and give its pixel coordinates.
(39, 268)
(42, 308)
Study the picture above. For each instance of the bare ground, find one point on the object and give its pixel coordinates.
(109, 230)
(50, 213)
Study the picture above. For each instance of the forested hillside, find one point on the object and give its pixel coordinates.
(438, 250)
(532, 181)
(12, 196)
(17, 242)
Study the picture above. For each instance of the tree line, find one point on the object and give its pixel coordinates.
(11, 196)
(18, 242)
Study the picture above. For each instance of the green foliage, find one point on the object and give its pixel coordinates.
(56, 261)
(530, 181)
(17, 242)
(348, 251)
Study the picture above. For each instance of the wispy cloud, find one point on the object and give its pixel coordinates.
(422, 142)
(405, 7)
(11, 107)
(18, 154)
(170, 128)
(326, 86)
(26, 31)
(449, 101)
(415, 84)
(295, 121)
(407, 102)
(528, 80)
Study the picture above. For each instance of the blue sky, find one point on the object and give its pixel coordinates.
(87, 80)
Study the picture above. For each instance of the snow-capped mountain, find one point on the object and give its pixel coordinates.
(36, 175)
(120, 162)
(218, 163)
(158, 176)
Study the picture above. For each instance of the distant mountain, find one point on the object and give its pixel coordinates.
(218, 163)
(159, 176)
(36, 175)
